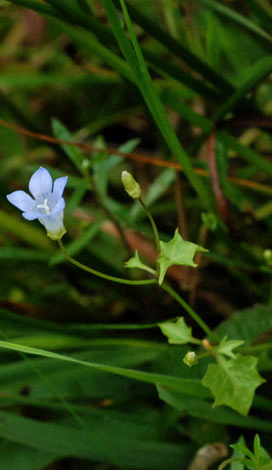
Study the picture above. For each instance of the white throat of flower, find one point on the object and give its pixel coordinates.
(45, 207)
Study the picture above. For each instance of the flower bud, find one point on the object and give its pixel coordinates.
(190, 359)
(131, 186)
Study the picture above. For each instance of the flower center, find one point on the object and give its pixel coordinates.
(45, 207)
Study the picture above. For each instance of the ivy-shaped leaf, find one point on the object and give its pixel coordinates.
(176, 252)
(226, 347)
(233, 382)
(177, 332)
(135, 262)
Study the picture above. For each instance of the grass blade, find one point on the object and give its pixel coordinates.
(138, 66)
(177, 48)
(240, 19)
(187, 386)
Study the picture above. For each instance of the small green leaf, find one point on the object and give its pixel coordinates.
(237, 455)
(233, 382)
(242, 448)
(176, 252)
(226, 347)
(177, 332)
(135, 262)
(257, 447)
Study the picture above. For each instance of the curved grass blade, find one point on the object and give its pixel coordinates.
(187, 386)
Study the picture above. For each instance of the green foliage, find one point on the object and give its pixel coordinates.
(85, 373)
(259, 459)
(177, 252)
(135, 262)
(233, 382)
(177, 332)
(226, 347)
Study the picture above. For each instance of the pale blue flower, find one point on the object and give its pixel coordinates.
(47, 205)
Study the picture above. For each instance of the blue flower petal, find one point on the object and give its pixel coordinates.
(40, 183)
(31, 215)
(22, 201)
(59, 186)
(58, 207)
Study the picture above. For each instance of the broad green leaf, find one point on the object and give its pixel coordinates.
(204, 410)
(21, 457)
(92, 444)
(135, 262)
(177, 252)
(233, 382)
(177, 332)
(226, 347)
(247, 324)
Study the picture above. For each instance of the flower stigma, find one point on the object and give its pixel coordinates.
(45, 207)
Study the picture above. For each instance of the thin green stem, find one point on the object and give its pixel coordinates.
(227, 462)
(191, 312)
(154, 226)
(201, 356)
(104, 276)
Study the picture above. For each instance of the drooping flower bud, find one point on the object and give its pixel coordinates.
(131, 186)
